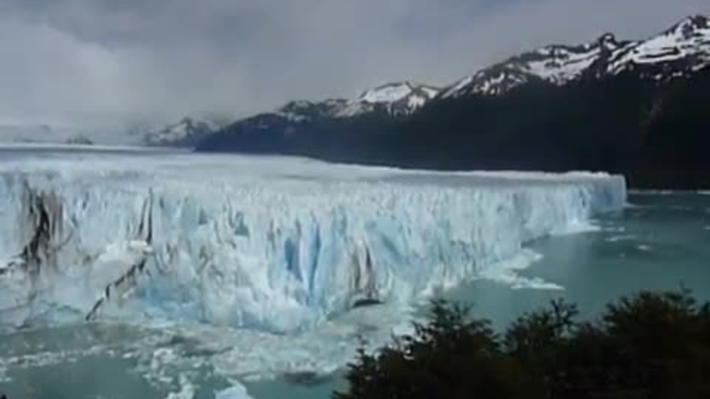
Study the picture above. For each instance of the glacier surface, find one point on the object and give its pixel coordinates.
(264, 243)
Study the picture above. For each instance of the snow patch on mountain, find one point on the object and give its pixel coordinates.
(387, 94)
(306, 111)
(396, 99)
(401, 98)
(688, 40)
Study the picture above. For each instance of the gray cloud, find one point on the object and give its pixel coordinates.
(109, 60)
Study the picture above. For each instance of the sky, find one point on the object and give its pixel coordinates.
(95, 61)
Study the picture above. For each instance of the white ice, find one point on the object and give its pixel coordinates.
(271, 244)
(187, 390)
(237, 391)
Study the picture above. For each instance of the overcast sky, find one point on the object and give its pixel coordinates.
(110, 60)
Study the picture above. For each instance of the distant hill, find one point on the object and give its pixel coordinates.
(632, 107)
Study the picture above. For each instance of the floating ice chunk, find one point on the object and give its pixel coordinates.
(237, 391)
(506, 273)
(3, 375)
(536, 283)
(653, 192)
(578, 227)
(621, 237)
(187, 390)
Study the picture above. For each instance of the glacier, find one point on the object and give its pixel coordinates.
(272, 244)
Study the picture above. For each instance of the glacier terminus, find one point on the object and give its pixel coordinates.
(272, 244)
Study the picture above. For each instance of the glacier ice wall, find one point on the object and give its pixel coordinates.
(225, 245)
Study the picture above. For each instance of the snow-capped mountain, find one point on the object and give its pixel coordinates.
(301, 124)
(685, 47)
(186, 132)
(389, 101)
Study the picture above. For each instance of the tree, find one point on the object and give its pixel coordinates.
(451, 356)
(650, 345)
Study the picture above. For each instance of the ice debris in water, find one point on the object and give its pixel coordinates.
(187, 390)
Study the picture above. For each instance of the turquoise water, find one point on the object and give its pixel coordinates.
(659, 242)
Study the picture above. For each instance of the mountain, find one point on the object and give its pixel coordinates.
(632, 107)
(393, 99)
(635, 107)
(323, 128)
(681, 49)
(185, 133)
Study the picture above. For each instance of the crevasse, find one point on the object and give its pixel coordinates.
(279, 253)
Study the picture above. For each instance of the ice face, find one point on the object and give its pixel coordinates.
(265, 243)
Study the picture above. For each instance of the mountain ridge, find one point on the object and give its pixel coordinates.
(555, 63)
(602, 105)
(634, 107)
(561, 64)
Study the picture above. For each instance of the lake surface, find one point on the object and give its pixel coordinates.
(659, 242)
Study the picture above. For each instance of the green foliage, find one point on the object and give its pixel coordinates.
(651, 345)
(436, 362)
